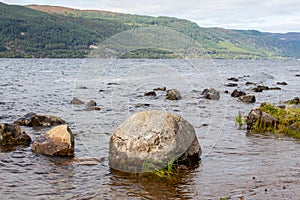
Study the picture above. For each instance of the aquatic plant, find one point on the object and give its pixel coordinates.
(239, 120)
(170, 172)
(223, 198)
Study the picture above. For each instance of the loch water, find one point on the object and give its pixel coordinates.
(233, 164)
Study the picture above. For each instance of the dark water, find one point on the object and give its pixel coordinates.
(234, 164)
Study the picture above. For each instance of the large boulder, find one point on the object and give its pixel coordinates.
(151, 139)
(211, 93)
(12, 134)
(33, 120)
(59, 141)
(173, 94)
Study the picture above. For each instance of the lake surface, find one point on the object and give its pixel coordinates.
(234, 164)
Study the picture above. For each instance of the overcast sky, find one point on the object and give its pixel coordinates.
(269, 15)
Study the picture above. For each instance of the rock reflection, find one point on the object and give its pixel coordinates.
(124, 185)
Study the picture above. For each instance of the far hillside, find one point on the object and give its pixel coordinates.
(58, 32)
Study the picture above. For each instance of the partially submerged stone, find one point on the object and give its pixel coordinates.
(91, 103)
(76, 101)
(160, 89)
(151, 93)
(237, 93)
(260, 88)
(12, 134)
(33, 120)
(173, 94)
(151, 139)
(248, 98)
(59, 141)
(211, 93)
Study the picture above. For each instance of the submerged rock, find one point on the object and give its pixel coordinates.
(59, 141)
(12, 134)
(249, 98)
(153, 138)
(33, 120)
(211, 93)
(237, 93)
(173, 94)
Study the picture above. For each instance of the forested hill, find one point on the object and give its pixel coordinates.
(57, 32)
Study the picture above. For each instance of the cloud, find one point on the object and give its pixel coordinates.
(279, 15)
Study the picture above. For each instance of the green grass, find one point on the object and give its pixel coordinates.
(157, 171)
(239, 120)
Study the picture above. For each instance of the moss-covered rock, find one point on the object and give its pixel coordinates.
(270, 118)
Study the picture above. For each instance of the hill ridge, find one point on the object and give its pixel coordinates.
(62, 32)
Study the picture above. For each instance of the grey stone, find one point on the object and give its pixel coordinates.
(260, 88)
(173, 94)
(281, 83)
(76, 101)
(237, 93)
(151, 93)
(91, 103)
(211, 93)
(249, 98)
(153, 138)
(160, 89)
